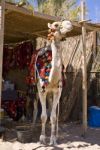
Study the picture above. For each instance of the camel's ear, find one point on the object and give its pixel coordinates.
(49, 25)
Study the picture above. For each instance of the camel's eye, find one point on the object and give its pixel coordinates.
(56, 25)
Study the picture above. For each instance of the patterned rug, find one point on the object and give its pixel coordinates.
(44, 66)
(40, 61)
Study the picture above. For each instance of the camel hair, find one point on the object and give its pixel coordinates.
(57, 31)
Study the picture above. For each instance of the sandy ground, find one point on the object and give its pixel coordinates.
(70, 137)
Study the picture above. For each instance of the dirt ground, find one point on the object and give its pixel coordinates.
(70, 137)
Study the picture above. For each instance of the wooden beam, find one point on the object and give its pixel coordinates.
(47, 17)
(17, 34)
(14, 35)
(2, 11)
(92, 27)
(13, 7)
(40, 31)
(88, 26)
(39, 35)
(84, 69)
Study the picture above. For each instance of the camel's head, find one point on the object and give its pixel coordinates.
(66, 26)
(58, 29)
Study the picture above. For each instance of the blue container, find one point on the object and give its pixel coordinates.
(94, 116)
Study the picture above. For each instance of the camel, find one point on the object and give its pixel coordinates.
(57, 31)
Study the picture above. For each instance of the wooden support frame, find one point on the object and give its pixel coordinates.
(88, 26)
(2, 11)
(84, 68)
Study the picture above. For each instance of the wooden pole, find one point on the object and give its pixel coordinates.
(2, 11)
(84, 68)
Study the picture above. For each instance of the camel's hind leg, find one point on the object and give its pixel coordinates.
(43, 116)
(35, 111)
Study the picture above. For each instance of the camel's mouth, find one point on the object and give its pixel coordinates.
(70, 29)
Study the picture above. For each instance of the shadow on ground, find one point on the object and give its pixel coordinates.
(70, 137)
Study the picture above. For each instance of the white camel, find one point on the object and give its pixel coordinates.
(57, 32)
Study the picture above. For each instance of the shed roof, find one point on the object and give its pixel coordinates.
(22, 24)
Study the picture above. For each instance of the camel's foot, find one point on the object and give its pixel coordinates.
(53, 140)
(42, 139)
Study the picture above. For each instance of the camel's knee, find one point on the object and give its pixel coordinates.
(43, 118)
(53, 119)
(53, 124)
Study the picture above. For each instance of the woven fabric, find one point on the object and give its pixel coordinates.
(41, 62)
(44, 66)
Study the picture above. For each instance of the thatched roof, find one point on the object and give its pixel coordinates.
(22, 24)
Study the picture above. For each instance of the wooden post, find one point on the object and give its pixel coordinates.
(2, 11)
(84, 68)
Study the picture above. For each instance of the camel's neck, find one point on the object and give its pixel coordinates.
(56, 53)
(55, 74)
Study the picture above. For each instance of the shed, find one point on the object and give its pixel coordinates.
(22, 24)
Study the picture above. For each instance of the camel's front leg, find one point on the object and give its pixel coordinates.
(43, 116)
(53, 118)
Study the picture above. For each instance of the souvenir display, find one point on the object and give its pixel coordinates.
(17, 56)
(14, 108)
